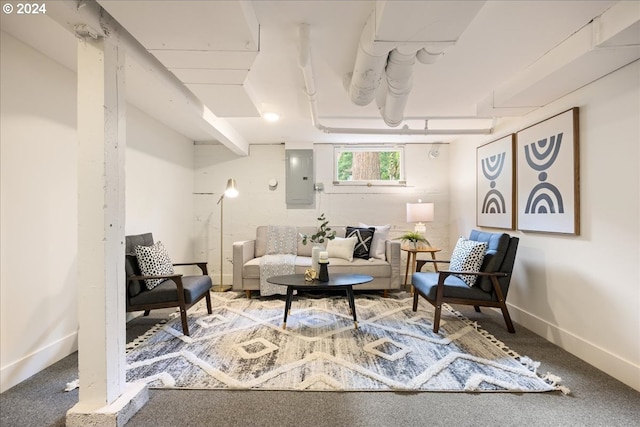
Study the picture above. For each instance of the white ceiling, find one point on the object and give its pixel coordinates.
(241, 59)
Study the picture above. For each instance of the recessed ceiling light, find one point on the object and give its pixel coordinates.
(271, 117)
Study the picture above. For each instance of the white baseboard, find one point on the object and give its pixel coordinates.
(18, 371)
(621, 369)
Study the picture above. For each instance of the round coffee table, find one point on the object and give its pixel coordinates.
(295, 282)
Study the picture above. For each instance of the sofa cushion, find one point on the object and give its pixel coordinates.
(342, 247)
(467, 256)
(154, 261)
(378, 246)
(364, 242)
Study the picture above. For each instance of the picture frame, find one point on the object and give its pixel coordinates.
(495, 183)
(548, 175)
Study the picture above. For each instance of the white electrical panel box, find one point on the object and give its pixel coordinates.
(300, 178)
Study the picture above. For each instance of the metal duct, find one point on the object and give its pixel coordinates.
(399, 73)
(371, 60)
(304, 61)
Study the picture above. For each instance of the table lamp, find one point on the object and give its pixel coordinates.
(420, 213)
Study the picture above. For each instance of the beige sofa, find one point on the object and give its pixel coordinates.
(247, 253)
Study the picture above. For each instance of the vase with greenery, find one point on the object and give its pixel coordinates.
(414, 237)
(323, 233)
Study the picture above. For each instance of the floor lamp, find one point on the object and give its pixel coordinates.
(231, 192)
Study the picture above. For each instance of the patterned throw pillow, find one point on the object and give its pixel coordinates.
(154, 261)
(364, 240)
(467, 256)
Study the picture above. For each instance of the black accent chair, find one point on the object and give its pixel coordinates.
(491, 286)
(179, 291)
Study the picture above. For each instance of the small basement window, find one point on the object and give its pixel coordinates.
(369, 165)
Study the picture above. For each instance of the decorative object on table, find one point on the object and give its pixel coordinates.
(548, 175)
(309, 275)
(414, 238)
(230, 192)
(320, 350)
(420, 213)
(323, 234)
(495, 183)
(323, 276)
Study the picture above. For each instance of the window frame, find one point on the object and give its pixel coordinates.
(339, 149)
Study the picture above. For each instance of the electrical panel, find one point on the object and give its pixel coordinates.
(300, 178)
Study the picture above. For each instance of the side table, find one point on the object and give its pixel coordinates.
(412, 260)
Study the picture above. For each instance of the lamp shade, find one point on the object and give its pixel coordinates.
(419, 212)
(231, 190)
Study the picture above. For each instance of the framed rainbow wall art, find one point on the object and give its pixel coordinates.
(495, 184)
(548, 175)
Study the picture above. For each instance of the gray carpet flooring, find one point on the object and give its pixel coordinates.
(596, 399)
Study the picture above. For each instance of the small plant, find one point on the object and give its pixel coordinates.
(413, 237)
(324, 232)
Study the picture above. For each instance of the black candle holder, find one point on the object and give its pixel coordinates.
(324, 272)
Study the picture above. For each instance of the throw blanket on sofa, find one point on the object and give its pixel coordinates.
(279, 258)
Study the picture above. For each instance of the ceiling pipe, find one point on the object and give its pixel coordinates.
(399, 73)
(371, 60)
(304, 62)
(88, 18)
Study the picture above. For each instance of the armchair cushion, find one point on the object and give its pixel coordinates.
(496, 251)
(132, 268)
(364, 240)
(167, 291)
(468, 256)
(154, 261)
(454, 287)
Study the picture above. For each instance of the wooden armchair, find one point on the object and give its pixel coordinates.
(179, 291)
(490, 289)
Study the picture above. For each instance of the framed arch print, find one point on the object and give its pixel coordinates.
(495, 184)
(548, 175)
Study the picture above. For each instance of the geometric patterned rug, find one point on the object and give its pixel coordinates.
(242, 346)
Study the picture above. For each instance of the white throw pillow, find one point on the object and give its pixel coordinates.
(468, 256)
(378, 249)
(342, 247)
(154, 261)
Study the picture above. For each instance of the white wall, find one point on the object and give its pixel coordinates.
(38, 282)
(160, 178)
(580, 292)
(38, 201)
(427, 179)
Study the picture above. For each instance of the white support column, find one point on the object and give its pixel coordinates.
(104, 398)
